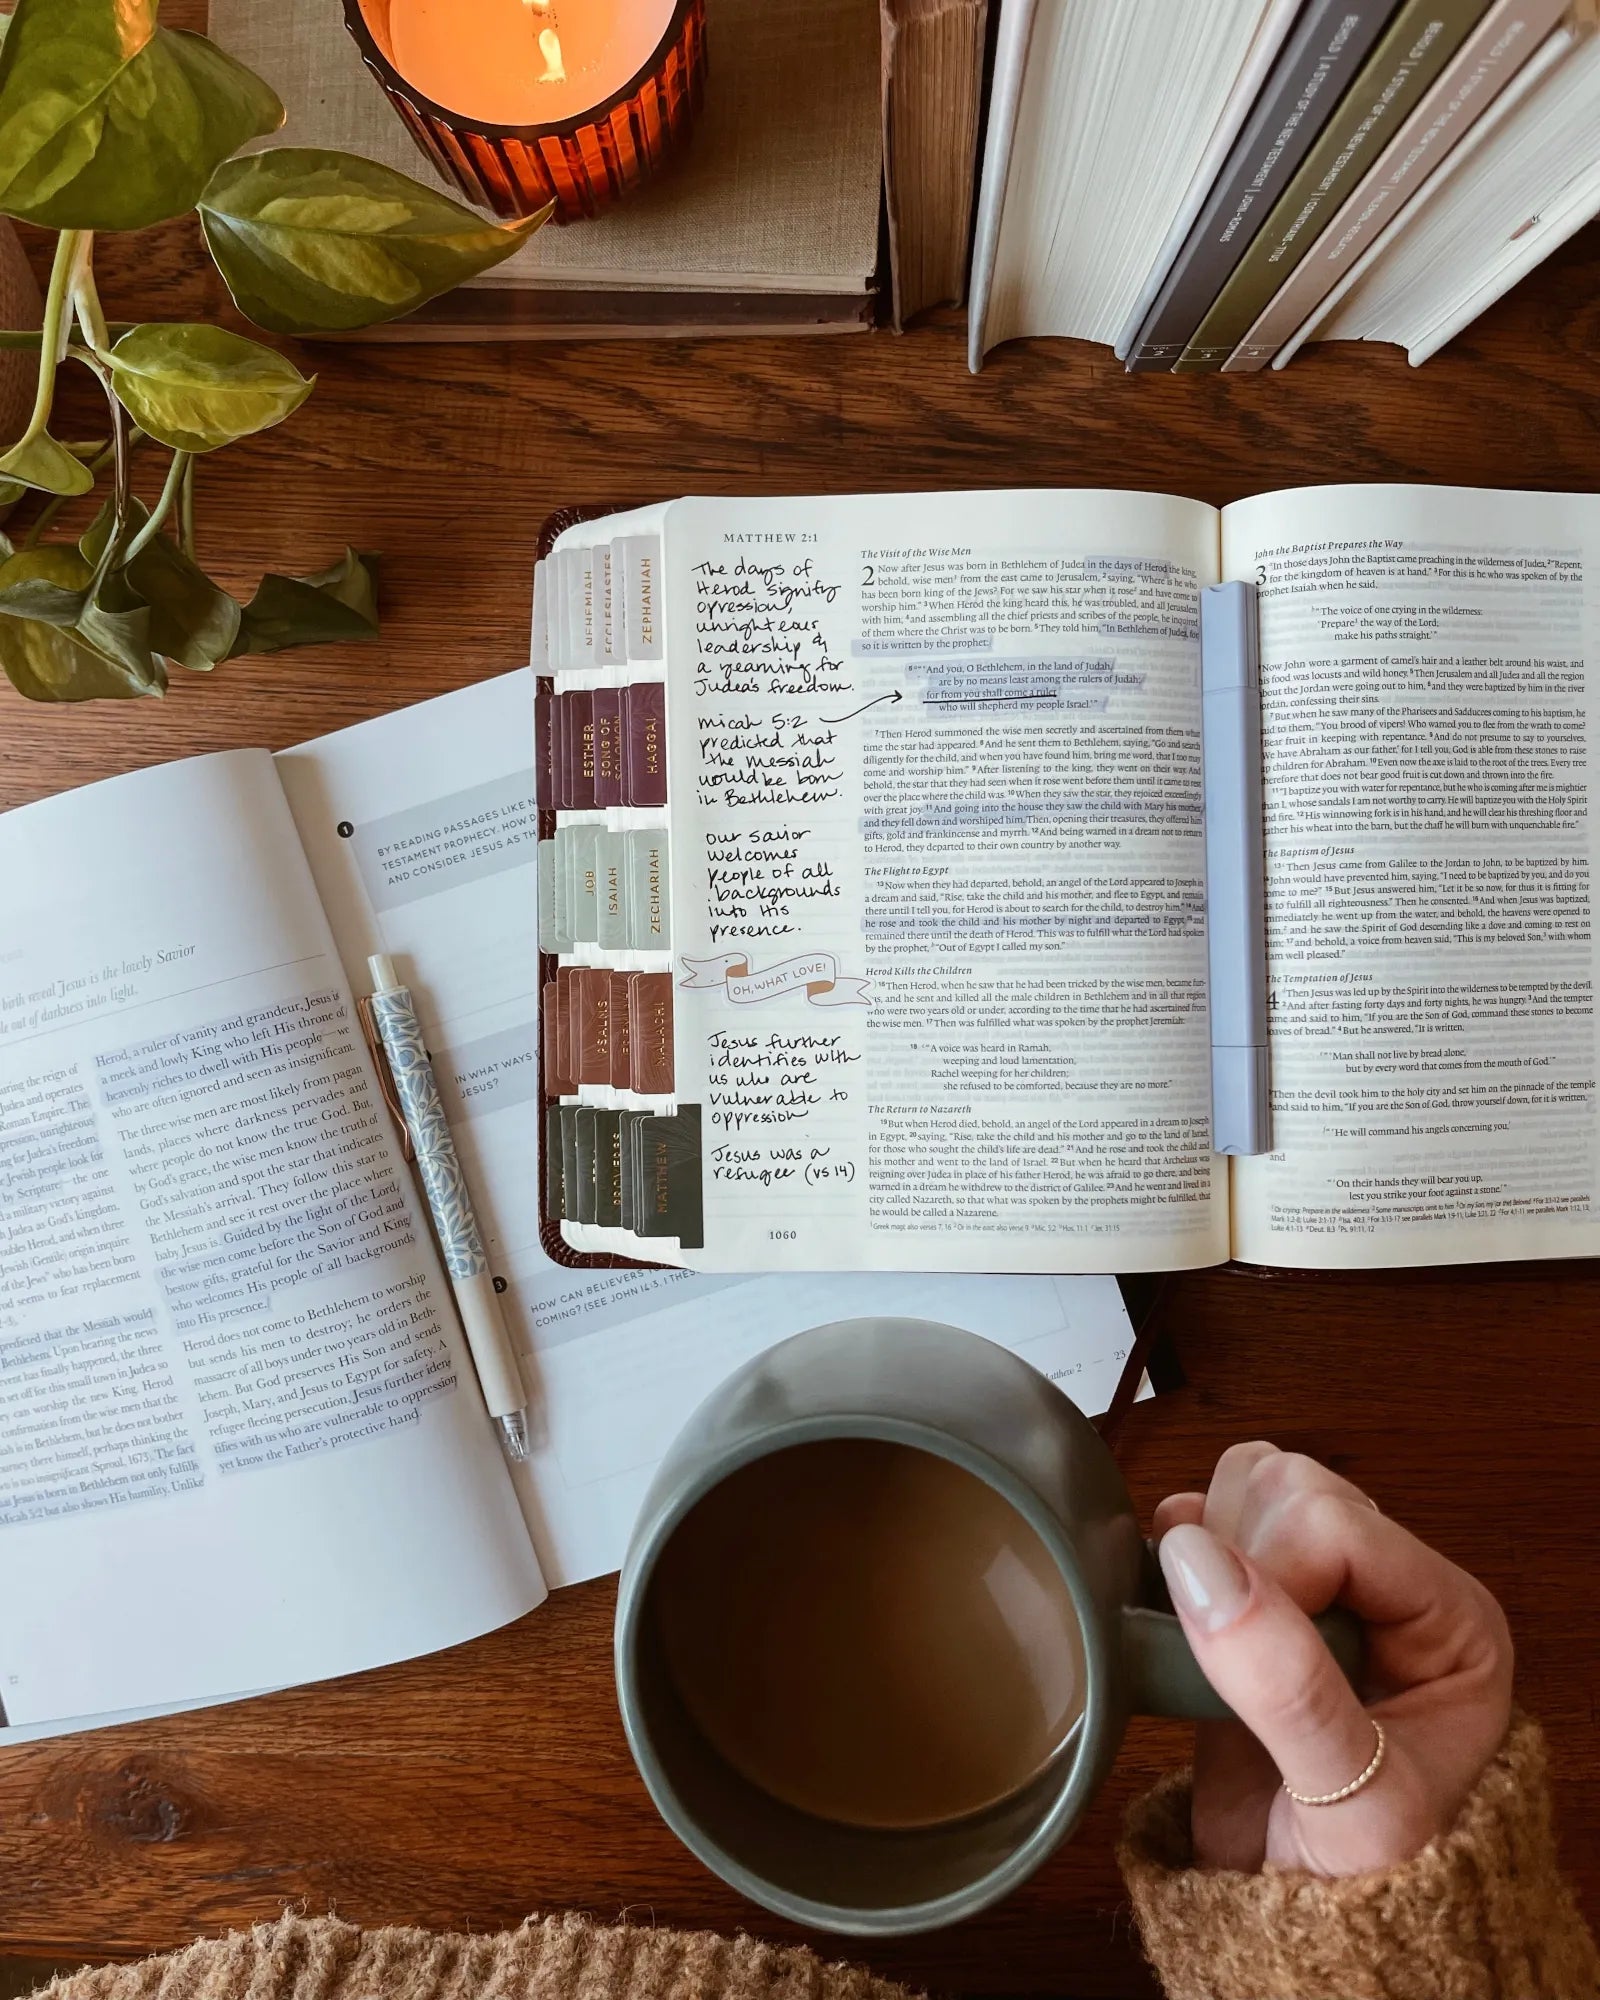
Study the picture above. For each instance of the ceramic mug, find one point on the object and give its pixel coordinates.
(978, 1405)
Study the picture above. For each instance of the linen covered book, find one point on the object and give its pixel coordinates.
(874, 894)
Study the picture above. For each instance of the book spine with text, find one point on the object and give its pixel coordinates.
(1315, 66)
(1393, 239)
(1487, 61)
(1422, 38)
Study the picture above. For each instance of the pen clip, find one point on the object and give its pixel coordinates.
(386, 1089)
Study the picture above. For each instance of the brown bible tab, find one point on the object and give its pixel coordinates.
(622, 1030)
(650, 1029)
(671, 1196)
(559, 1080)
(566, 1058)
(544, 781)
(560, 754)
(608, 747)
(591, 1011)
(644, 737)
(580, 728)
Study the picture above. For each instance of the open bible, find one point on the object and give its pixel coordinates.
(241, 1443)
(874, 881)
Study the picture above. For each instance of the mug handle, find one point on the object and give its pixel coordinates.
(1164, 1677)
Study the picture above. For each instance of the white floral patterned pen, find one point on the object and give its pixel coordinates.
(451, 1206)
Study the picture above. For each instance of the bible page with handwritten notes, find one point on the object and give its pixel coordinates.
(937, 880)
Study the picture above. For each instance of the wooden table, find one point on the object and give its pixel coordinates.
(469, 1789)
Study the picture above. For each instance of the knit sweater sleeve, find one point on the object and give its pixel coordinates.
(557, 1958)
(1482, 1913)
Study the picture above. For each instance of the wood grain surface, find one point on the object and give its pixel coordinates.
(474, 1787)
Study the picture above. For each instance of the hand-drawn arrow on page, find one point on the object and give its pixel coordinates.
(830, 719)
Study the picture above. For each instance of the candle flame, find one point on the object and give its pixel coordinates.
(550, 49)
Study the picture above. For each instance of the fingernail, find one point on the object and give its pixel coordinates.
(1206, 1579)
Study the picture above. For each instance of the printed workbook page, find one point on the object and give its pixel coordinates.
(242, 1445)
(420, 830)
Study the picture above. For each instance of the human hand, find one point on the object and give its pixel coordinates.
(1277, 1537)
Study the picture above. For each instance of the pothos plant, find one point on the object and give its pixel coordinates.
(109, 121)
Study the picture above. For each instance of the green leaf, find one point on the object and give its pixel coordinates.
(336, 604)
(41, 462)
(43, 600)
(108, 121)
(115, 621)
(103, 611)
(192, 621)
(199, 387)
(321, 242)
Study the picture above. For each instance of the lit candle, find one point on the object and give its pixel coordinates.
(526, 102)
(524, 62)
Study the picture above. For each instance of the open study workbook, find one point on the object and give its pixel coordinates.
(240, 1440)
(875, 881)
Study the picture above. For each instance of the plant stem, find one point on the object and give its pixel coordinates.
(86, 301)
(52, 340)
(120, 458)
(170, 488)
(186, 509)
(122, 491)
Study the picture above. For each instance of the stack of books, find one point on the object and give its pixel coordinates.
(820, 116)
(768, 224)
(1208, 187)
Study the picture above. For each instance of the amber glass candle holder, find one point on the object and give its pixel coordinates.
(621, 81)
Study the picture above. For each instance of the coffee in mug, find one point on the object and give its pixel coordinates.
(885, 1614)
(870, 1633)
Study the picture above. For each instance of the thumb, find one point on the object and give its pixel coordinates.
(1262, 1654)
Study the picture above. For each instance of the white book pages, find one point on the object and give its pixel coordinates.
(243, 1443)
(1119, 106)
